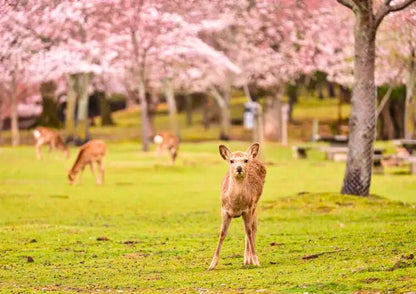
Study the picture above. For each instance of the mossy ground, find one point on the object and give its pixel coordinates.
(153, 227)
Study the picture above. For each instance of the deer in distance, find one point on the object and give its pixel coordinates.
(241, 189)
(88, 154)
(166, 141)
(51, 137)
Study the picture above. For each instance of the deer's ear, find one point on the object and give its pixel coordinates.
(224, 152)
(253, 150)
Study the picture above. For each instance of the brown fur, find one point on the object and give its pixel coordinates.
(93, 151)
(169, 143)
(50, 137)
(241, 189)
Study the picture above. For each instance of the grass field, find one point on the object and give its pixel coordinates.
(153, 227)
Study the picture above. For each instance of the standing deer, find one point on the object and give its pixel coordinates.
(91, 152)
(51, 137)
(241, 190)
(167, 141)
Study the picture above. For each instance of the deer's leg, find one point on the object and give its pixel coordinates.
(158, 152)
(39, 144)
(97, 179)
(248, 226)
(80, 175)
(255, 259)
(172, 152)
(102, 170)
(226, 219)
(52, 145)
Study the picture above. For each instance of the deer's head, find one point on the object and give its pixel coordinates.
(71, 177)
(239, 161)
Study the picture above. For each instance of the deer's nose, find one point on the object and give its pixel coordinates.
(239, 169)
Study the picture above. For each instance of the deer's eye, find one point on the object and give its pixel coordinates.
(245, 160)
(231, 161)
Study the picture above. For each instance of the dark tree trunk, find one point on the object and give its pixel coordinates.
(397, 109)
(49, 116)
(386, 125)
(205, 114)
(105, 110)
(188, 102)
(292, 92)
(1, 120)
(362, 125)
(152, 102)
(331, 89)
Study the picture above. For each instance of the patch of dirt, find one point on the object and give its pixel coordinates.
(103, 238)
(136, 255)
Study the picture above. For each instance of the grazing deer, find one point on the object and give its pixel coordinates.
(91, 152)
(50, 137)
(241, 190)
(167, 141)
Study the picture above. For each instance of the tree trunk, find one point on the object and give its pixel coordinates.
(1, 120)
(173, 111)
(409, 127)
(152, 108)
(362, 125)
(387, 127)
(273, 117)
(292, 93)
(14, 116)
(49, 116)
(331, 89)
(188, 102)
(205, 114)
(144, 115)
(105, 110)
(82, 115)
(71, 102)
(223, 103)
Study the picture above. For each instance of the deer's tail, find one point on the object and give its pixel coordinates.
(36, 134)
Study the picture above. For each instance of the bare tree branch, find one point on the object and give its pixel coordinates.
(346, 3)
(387, 8)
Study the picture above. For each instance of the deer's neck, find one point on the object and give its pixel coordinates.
(236, 185)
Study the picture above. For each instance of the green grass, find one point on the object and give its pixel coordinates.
(162, 223)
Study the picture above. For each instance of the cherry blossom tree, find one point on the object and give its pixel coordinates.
(357, 179)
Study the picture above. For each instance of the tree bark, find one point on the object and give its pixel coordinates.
(173, 111)
(362, 125)
(387, 127)
(292, 93)
(49, 116)
(152, 108)
(1, 120)
(223, 102)
(409, 127)
(144, 115)
(273, 117)
(188, 102)
(205, 114)
(82, 126)
(14, 116)
(71, 102)
(105, 110)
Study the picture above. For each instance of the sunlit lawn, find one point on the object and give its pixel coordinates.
(160, 224)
